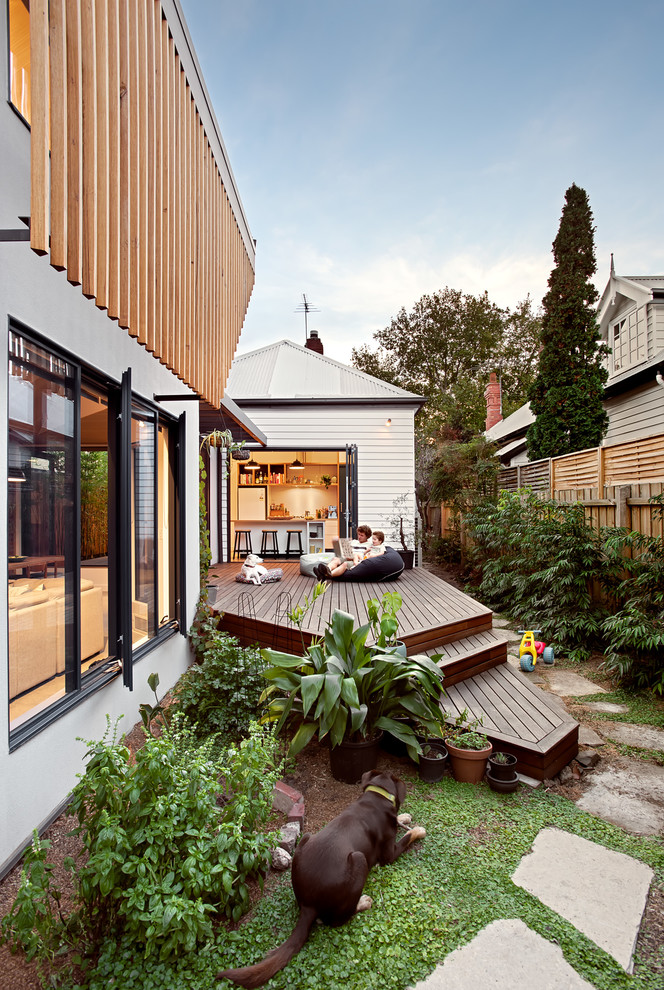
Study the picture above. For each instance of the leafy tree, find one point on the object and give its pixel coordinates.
(566, 397)
(445, 349)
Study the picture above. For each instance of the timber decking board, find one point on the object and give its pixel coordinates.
(434, 618)
(541, 752)
(430, 606)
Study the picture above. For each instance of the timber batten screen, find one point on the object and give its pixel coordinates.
(134, 207)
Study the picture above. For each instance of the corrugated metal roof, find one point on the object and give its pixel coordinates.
(285, 370)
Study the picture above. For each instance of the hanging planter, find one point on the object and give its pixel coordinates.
(243, 454)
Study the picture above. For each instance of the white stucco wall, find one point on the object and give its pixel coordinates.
(37, 777)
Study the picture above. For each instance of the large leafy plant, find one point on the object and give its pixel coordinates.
(344, 690)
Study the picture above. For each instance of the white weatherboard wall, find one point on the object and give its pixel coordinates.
(635, 415)
(385, 454)
(37, 777)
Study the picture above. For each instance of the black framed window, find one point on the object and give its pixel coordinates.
(71, 549)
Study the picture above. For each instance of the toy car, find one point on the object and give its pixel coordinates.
(531, 648)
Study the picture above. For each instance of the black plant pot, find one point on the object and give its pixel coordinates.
(408, 557)
(390, 744)
(432, 768)
(502, 786)
(349, 760)
(502, 771)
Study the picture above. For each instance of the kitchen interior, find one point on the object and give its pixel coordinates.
(293, 496)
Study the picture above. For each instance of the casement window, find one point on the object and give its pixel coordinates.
(93, 525)
(19, 56)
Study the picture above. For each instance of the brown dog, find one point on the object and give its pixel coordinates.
(331, 867)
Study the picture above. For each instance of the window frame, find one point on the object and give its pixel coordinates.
(122, 657)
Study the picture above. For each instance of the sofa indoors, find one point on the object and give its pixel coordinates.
(36, 618)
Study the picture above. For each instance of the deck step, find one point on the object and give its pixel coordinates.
(471, 655)
(519, 718)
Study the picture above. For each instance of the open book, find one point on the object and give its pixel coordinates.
(343, 548)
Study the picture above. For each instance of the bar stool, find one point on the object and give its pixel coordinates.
(242, 543)
(269, 543)
(292, 533)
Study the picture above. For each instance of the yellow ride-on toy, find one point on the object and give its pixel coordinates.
(531, 648)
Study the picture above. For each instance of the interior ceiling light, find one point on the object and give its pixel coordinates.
(252, 465)
(296, 465)
(16, 475)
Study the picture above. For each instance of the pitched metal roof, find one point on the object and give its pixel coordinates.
(285, 370)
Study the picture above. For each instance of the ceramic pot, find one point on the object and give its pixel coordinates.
(349, 760)
(408, 557)
(502, 771)
(468, 765)
(432, 768)
(502, 786)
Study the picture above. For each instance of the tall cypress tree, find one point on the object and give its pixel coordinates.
(566, 396)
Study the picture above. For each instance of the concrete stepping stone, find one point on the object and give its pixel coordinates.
(632, 798)
(566, 683)
(601, 892)
(506, 955)
(642, 736)
(588, 737)
(610, 707)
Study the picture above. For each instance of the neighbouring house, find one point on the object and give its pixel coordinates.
(630, 314)
(337, 449)
(126, 267)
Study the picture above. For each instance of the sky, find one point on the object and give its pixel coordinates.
(385, 149)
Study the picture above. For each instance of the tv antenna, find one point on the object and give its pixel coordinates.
(306, 307)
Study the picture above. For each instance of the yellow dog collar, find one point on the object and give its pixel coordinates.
(383, 793)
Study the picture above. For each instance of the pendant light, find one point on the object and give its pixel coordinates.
(297, 465)
(251, 465)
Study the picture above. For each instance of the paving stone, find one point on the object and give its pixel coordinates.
(566, 683)
(601, 892)
(643, 736)
(588, 758)
(506, 955)
(529, 781)
(512, 637)
(606, 706)
(631, 797)
(588, 737)
(498, 622)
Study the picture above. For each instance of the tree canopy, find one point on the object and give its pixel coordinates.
(566, 396)
(445, 349)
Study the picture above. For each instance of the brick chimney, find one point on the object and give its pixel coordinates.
(494, 406)
(314, 343)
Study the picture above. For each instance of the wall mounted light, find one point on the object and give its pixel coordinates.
(16, 475)
(388, 422)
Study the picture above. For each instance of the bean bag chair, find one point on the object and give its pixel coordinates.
(310, 560)
(387, 567)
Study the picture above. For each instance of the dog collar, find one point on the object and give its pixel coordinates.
(383, 793)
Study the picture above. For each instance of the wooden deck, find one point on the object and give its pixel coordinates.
(435, 618)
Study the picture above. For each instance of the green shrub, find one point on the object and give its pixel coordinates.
(169, 841)
(221, 693)
(537, 561)
(634, 633)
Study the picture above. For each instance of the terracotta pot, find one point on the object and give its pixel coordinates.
(468, 765)
(433, 768)
(349, 760)
(502, 771)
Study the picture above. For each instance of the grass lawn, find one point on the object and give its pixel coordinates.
(435, 898)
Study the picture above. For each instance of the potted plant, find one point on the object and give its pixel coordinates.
(382, 615)
(402, 528)
(468, 748)
(349, 695)
(432, 759)
(327, 480)
(501, 772)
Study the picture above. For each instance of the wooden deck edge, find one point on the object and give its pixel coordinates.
(467, 666)
(429, 639)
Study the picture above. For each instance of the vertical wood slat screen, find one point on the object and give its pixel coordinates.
(135, 210)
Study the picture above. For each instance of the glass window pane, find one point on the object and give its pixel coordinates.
(167, 526)
(143, 524)
(94, 526)
(19, 56)
(40, 503)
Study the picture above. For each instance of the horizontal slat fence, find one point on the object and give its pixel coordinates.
(132, 203)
